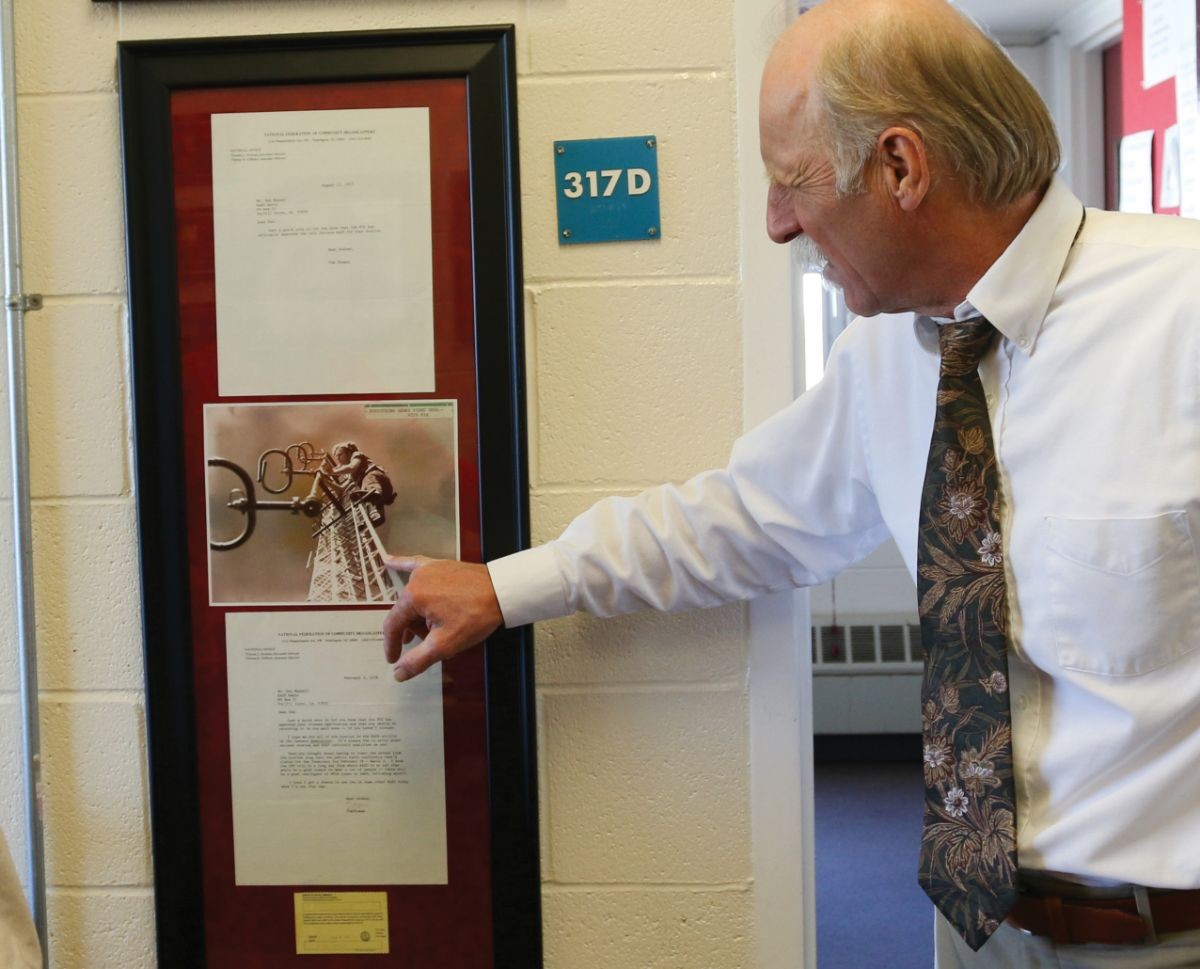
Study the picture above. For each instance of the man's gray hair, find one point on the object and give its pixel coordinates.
(976, 112)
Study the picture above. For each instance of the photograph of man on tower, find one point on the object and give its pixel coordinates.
(303, 498)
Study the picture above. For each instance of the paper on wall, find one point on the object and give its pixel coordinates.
(338, 772)
(1168, 191)
(323, 252)
(1136, 174)
(1187, 107)
(1158, 41)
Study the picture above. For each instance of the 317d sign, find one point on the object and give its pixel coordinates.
(607, 189)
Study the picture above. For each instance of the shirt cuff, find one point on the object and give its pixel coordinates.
(529, 586)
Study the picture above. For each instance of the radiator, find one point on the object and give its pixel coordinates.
(866, 644)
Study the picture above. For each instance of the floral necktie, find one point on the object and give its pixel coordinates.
(968, 848)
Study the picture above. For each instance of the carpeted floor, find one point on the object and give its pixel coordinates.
(871, 914)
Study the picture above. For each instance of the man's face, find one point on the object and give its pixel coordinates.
(854, 236)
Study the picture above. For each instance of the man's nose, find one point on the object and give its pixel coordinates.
(782, 224)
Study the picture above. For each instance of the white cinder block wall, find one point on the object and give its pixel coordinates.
(634, 377)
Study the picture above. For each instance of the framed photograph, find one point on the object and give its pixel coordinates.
(399, 489)
(325, 314)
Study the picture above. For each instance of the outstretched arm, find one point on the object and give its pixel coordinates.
(793, 507)
(450, 606)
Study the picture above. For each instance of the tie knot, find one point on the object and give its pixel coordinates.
(963, 345)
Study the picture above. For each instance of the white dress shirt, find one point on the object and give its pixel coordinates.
(1094, 395)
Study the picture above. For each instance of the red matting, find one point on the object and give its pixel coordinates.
(431, 927)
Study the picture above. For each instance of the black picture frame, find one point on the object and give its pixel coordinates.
(150, 72)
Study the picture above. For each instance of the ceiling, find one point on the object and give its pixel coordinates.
(1018, 18)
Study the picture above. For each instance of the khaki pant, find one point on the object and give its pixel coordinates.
(1012, 949)
(19, 947)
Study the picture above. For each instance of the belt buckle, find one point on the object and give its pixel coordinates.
(1141, 897)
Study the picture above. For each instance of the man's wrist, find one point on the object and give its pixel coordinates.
(529, 586)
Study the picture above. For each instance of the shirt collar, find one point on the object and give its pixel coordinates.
(1015, 292)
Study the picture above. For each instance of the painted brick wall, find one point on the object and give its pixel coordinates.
(635, 377)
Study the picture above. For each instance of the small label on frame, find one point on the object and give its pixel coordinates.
(332, 923)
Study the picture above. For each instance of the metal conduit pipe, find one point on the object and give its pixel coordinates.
(16, 304)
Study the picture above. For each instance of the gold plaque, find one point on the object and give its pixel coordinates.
(341, 922)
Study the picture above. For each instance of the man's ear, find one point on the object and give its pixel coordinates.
(905, 166)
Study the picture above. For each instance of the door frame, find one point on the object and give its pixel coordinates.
(780, 668)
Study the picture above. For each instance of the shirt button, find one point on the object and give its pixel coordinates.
(1024, 341)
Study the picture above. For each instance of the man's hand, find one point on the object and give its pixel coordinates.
(449, 605)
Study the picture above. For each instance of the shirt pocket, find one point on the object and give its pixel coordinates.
(1124, 592)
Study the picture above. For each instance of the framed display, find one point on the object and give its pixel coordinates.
(325, 313)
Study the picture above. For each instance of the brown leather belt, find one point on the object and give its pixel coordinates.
(1134, 920)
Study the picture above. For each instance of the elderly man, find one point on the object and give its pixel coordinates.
(1031, 441)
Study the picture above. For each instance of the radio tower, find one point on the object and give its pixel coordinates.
(347, 564)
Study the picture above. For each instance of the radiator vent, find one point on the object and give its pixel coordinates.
(867, 646)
